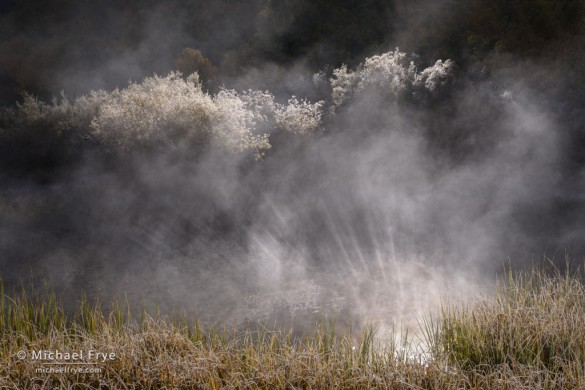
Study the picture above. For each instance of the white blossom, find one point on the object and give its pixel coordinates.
(169, 110)
(389, 73)
(300, 116)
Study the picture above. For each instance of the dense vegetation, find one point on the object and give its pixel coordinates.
(42, 54)
(164, 114)
(527, 336)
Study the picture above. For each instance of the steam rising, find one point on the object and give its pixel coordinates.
(378, 190)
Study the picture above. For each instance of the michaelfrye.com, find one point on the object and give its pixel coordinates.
(76, 362)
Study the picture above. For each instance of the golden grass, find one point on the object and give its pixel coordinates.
(529, 335)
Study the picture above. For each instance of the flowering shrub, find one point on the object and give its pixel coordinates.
(171, 110)
(234, 123)
(435, 76)
(299, 116)
(57, 117)
(389, 73)
(168, 110)
(158, 109)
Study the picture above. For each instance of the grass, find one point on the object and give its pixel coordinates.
(535, 321)
(528, 335)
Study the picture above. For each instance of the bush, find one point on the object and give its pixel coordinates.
(392, 75)
(534, 320)
(163, 112)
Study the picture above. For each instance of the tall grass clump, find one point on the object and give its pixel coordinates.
(534, 321)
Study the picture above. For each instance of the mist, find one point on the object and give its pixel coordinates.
(276, 183)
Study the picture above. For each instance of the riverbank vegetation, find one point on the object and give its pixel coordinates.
(526, 335)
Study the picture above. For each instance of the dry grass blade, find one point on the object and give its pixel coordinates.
(526, 336)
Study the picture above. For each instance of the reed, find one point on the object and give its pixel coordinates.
(527, 335)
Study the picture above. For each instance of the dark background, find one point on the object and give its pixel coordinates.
(47, 46)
